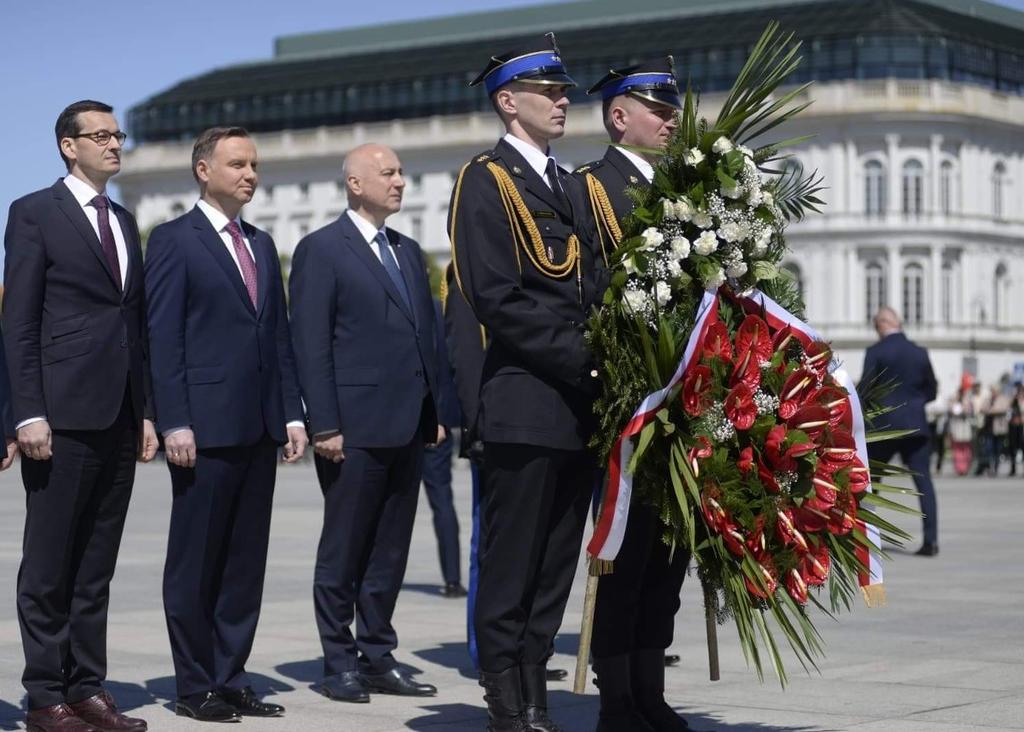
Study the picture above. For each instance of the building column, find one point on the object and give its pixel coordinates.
(894, 270)
(931, 195)
(892, 144)
(852, 175)
(935, 316)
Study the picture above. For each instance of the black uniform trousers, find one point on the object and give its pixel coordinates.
(76, 505)
(437, 482)
(915, 453)
(216, 561)
(369, 508)
(533, 508)
(637, 604)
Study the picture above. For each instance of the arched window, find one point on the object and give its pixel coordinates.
(913, 188)
(946, 187)
(874, 289)
(794, 271)
(998, 189)
(874, 188)
(1001, 295)
(913, 294)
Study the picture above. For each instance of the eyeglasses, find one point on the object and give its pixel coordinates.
(102, 137)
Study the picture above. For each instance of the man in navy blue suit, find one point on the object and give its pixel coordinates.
(74, 330)
(226, 397)
(363, 327)
(10, 448)
(895, 358)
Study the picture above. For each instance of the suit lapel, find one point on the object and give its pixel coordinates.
(133, 248)
(527, 177)
(358, 245)
(407, 266)
(631, 175)
(69, 207)
(212, 241)
(262, 255)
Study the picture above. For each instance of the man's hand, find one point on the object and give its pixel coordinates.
(181, 448)
(442, 435)
(147, 441)
(8, 457)
(330, 445)
(296, 447)
(35, 440)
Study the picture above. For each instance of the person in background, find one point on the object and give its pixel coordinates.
(10, 443)
(1016, 427)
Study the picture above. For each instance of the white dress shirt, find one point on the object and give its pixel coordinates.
(369, 233)
(220, 224)
(534, 157)
(84, 193)
(642, 165)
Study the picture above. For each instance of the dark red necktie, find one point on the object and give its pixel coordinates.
(245, 262)
(102, 206)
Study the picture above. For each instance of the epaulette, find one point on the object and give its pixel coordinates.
(484, 157)
(589, 167)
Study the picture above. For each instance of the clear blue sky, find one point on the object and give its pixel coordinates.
(53, 52)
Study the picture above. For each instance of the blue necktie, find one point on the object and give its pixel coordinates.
(387, 258)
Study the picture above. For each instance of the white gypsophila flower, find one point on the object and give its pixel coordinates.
(747, 152)
(715, 281)
(733, 192)
(766, 403)
(662, 293)
(636, 300)
(706, 243)
(674, 268)
(684, 209)
(680, 247)
(668, 209)
(737, 269)
(702, 220)
(722, 145)
(693, 157)
(652, 238)
(734, 231)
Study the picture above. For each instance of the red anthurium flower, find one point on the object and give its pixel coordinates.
(809, 519)
(746, 461)
(838, 449)
(787, 409)
(825, 491)
(767, 578)
(782, 457)
(859, 477)
(714, 515)
(811, 419)
(702, 449)
(841, 515)
(836, 401)
(756, 542)
(740, 407)
(733, 537)
(814, 566)
(717, 343)
(746, 370)
(787, 531)
(819, 356)
(767, 477)
(798, 386)
(696, 390)
(782, 338)
(754, 335)
(796, 587)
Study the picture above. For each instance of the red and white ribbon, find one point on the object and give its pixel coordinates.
(611, 525)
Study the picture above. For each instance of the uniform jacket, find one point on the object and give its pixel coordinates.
(75, 341)
(536, 383)
(220, 365)
(896, 358)
(612, 175)
(365, 361)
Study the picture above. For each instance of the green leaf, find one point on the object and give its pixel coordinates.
(765, 270)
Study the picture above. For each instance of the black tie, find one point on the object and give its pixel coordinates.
(556, 184)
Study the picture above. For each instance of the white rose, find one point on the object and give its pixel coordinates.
(693, 157)
(732, 191)
(680, 247)
(706, 243)
(745, 150)
(629, 264)
(734, 231)
(767, 199)
(683, 209)
(736, 269)
(722, 145)
(668, 209)
(636, 300)
(675, 268)
(662, 293)
(761, 243)
(755, 197)
(652, 238)
(702, 219)
(715, 281)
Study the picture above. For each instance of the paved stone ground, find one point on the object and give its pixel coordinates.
(945, 655)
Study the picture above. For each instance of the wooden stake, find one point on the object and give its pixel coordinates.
(711, 624)
(586, 627)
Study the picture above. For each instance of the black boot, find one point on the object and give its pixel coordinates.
(617, 710)
(503, 693)
(648, 668)
(535, 699)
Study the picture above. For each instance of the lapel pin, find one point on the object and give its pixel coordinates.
(632, 179)
(517, 170)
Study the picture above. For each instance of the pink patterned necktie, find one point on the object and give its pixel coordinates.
(244, 259)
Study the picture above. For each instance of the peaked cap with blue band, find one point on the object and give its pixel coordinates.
(654, 81)
(539, 64)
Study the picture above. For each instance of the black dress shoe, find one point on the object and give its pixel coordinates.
(555, 674)
(453, 590)
(249, 705)
(397, 682)
(928, 549)
(347, 686)
(671, 659)
(206, 707)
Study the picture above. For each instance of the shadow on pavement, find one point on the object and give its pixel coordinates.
(450, 655)
(11, 716)
(448, 716)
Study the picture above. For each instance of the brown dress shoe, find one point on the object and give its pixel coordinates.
(58, 718)
(101, 712)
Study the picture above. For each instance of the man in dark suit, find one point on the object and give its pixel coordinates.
(74, 326)
(634, 617)
(895, 358)
(437, 470)
(10, 448)
(363, 327)
(527, 263)
(226, 397)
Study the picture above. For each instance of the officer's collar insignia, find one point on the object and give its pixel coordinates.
(633, 179)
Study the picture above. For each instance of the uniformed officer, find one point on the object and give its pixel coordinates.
(637, 603)
(526, 260)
